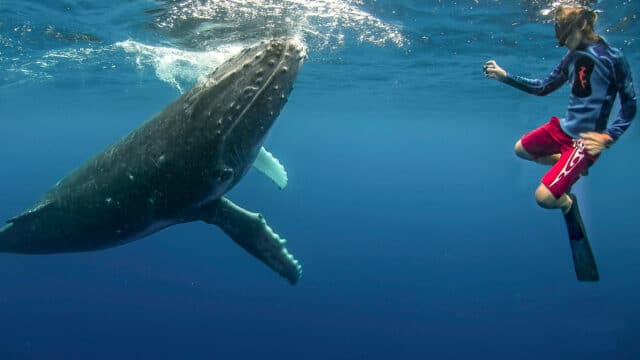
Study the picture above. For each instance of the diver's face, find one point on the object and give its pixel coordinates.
(574, 39)
(562, 32)
(568, 35)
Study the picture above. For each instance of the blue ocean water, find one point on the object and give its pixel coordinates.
(414, 222)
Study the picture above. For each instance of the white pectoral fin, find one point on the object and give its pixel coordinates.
(267, 164)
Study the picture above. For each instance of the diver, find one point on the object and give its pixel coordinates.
(596, 72)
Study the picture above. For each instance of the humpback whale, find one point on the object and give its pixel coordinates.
(176, 168)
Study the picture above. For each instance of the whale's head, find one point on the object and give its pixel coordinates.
(242, 98)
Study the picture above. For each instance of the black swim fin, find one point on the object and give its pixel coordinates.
(583, 260)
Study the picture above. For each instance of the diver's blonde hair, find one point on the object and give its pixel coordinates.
(578, 18)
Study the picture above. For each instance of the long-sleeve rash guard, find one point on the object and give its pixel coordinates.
(598, 72)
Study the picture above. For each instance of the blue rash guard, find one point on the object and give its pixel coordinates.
(598, 72)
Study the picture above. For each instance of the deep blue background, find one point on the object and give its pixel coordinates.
(415, 224)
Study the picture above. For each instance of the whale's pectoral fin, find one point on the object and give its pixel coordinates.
(267, 164)
(250, 230)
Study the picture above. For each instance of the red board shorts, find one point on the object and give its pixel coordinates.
(550, 139)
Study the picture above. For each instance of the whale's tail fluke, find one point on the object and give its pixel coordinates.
(251, 232)
(35, 231)
(8, 240)
(6, 226)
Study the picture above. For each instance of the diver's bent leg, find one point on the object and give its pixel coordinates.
(548, 160)
(521, 152)
(546, 200)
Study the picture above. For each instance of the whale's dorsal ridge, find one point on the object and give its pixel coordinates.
(34, 211)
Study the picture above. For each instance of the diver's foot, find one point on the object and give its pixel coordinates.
(572, 200)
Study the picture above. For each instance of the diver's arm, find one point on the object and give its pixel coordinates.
(541, 87)
(595, 142)
(628, 100)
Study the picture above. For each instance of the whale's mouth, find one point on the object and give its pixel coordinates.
(298, 44)
(281, 56)
(264, 76)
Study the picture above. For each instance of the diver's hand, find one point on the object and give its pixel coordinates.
(493, 71)
(595, 142)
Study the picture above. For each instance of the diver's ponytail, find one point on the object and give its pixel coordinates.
(590, 17)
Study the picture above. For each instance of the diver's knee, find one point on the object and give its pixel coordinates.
(545, 198)
(521, 152)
